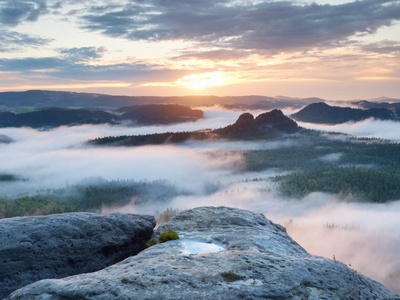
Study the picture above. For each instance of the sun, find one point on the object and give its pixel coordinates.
(201, 81)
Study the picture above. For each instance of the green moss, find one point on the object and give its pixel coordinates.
(168, 235)
(230, 276)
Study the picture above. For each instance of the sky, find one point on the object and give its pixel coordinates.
(336, 50)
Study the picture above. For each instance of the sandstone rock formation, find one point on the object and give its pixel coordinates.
(56, 246)
(247, 257)
(268, 124)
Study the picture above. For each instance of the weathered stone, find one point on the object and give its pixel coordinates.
(56, 246)
(251, 258)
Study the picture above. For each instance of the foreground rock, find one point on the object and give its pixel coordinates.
(56, 246)
(223, 253)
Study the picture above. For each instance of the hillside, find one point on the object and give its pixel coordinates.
(395, 105)
(38, 99)
(133, 115)
(266, 125)
(325, 114)
(159, 114)
(54, 117)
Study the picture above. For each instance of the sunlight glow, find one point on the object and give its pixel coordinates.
(200, 81)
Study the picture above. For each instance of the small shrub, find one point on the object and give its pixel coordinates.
(165, 216)
(168, 235)
(230, 276)
(150, 243)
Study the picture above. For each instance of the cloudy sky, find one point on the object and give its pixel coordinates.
(335, 49)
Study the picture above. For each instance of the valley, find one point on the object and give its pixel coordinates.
(301, 175)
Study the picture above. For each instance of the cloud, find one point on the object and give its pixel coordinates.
(73, 64)
(383, 47)
(11, 41)
(29, 64)
(83, 54)
(273, 26)
(13, 12)
(220, 54)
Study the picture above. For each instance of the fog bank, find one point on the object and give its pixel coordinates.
(370, 128)
(367, 236)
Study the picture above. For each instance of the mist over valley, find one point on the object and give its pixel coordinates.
(260, 173)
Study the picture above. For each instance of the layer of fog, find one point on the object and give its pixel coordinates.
(365, 235)
(56, 158)
(370, 128)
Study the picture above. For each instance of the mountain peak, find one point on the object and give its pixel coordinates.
(266, 124)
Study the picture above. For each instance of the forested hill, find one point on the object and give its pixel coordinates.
(393, 104)
(133, 115)
(160, 114)
(325, 114)
(54, 117)
(267, 125)
(39, 99)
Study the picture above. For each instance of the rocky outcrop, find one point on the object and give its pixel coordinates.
(4, 139)
(223, 253)
(265, 125)
(56, 246)
(275, 119)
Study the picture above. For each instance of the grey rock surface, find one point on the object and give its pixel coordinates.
(60, 245)
(5, 139)
(256, 259)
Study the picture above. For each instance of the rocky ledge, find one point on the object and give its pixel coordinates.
(60, 245)
(223, 253)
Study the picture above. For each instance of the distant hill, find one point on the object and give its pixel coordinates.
(325, 114)
(159, 114)
(142, 115)
(394, 106)
(39, 99)
(54, 117)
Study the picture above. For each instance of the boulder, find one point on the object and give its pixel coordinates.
(222, 253)
(60, 245)
(5, 139)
